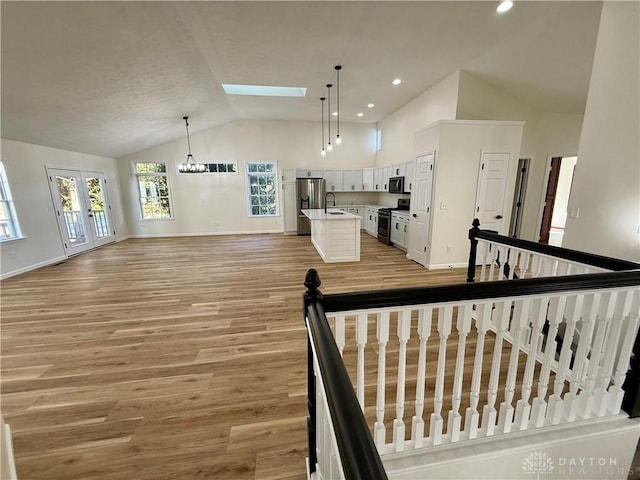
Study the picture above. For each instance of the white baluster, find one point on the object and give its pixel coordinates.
(538, 317)
(629, 314)
(503, 260)
(404, 329)
(512, 256)
(519, 323)
(485, 259)
(606, 366)
(339, 332)
(424, 330)
(463, 325)
(523, 265)
(444, 330)
(539, 407)
(494, 257)
(501, 322)
(382, 333)
(361, 340)
(536, 265)
(471, 417)
(573, 309)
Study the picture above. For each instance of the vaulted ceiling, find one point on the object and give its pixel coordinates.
(112, 78)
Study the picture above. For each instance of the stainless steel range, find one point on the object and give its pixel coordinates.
(384, 220)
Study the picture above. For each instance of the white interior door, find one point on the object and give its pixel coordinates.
(491, 192)
(419, 221)
(82, 209)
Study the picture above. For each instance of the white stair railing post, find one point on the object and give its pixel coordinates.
(538, 317)
(501, 323)
(425, 316)
(404, 330)
(519, 323)
(361, 340)
(339, 332)
(472, 417)
(626, 345)
(382, 334)
(463, 325)
(444, 330)
(609, 354)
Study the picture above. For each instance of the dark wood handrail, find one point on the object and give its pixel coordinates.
(358, 453)
(341, 302)
(600, 261)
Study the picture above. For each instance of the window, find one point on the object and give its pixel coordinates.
(153, 188)
(263, 189)
(9, 228)
(378, 140)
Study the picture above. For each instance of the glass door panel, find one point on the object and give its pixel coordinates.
(98, 208)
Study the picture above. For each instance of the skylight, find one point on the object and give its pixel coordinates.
(264, 91)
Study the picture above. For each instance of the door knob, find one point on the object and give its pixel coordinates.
(415, 215)
(498, 217)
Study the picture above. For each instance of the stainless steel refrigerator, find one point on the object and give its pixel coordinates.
(310, 194)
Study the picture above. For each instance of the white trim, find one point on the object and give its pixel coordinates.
(472, 122)
(204, 234)
(35, 266)
(8, 458)
(442, 266)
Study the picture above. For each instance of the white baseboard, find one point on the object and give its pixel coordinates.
(28, 268)
(442, 266)
(202, 234)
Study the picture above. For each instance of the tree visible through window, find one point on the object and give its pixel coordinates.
(263, 189)
(153, 188)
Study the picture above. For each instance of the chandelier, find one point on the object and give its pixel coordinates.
(190, 165)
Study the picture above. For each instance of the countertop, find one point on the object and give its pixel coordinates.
(319, 214)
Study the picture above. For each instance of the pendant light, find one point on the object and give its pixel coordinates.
(323, 152)
(338, 139)
(190, 165)
(329, 146)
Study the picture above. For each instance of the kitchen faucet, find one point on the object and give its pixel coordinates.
(325, 200)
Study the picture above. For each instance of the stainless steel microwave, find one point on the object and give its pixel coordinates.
(396, 185)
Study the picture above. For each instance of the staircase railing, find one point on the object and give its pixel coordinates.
(449, 374)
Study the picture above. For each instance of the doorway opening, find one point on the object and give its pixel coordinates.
(518, 197)
(556, 200)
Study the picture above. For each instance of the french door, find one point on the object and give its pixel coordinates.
(81, 203)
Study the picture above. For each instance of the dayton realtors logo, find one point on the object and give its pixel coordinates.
(537, 463)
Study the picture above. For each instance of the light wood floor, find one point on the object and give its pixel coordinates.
(172, 358)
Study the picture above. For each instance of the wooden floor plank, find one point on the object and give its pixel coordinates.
(175, 358)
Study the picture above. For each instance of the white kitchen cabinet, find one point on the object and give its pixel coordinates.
(352, 180)
(367, 179)
(333, 180)
(379, 178)
(288, 175)
(290, 212)
(398, 170)
(399, 229)
(386, 174)
(409, 173)
(308, 173)
(371, 221)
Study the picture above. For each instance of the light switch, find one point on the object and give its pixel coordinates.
(574, 212)
(443, 206)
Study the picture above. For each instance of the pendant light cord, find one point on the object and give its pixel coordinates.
(186, 122)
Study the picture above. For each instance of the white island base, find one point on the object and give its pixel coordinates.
(335, 234)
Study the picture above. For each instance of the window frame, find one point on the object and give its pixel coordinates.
(273, 173)
(13, 224)
(169, 195)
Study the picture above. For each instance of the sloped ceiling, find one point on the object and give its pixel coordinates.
(112, 78)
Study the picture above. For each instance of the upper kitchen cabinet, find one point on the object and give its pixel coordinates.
(409, 170)
(398, 170)
(368, 179)
(334, 180)
(308, 173)
(353, 180)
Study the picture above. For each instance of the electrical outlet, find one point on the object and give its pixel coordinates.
(448, 248)
(443, 205)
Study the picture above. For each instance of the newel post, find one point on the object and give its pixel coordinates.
(312, 283)
(471, 269)
(631, 386)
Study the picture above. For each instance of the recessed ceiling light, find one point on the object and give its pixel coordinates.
(263, 90)
(335, 114)
(371, 105)
(360, 114)
(397, 81)
(504, 6)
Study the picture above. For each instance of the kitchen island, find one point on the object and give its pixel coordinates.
(335, 234)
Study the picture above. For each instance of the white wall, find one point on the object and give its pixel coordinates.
(25, 165)
(458, 146)
(545, 134)
(399, 128)
(606, 185)
(212, 204)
